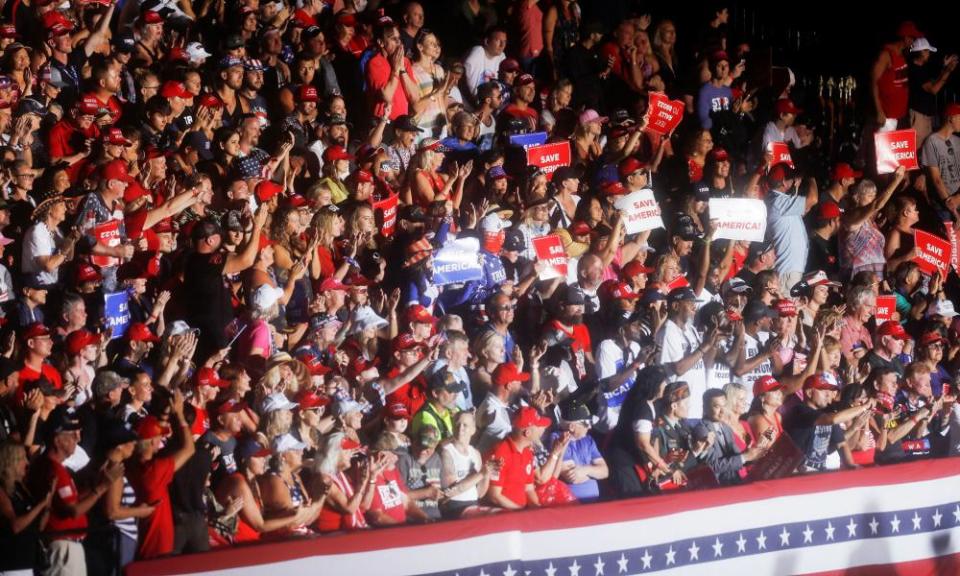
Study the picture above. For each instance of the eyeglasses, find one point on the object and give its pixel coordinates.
(507, 307)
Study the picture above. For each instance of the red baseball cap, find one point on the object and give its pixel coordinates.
(613, 188)
(79, 339)
(115, 137)
(623, 291)
(210, 101)
(307, 94)
(952, 109)
(842, 170)
(87, 273)
(580, 228)
(140, 332)
(36, 330)
(406, 342)
(786, 308)
(172, 88)
(150, 427)
(528, 417)
(508, 372)
(786, 106)
(418, 313)
(314, 366)
(350, 444)
(310, 399)
(630, 165)
(56, 24)
(334, 153)
(931, 338)
(151, 17)
(207, 376)
(332, 283)
(893, 328)
(828, 210)
(264, 241)
(397, 411)
(766, 384)
(718, 155)
(231, 407)
(115, 170)
(633, 268)
(266, 190)
(819, 381)
(362, 176)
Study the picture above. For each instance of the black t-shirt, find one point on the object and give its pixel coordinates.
(823, 256)
(189, 482)
(921, 100)
(208, 296)
(815, 440)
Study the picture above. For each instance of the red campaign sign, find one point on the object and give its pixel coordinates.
(107, 234)
(663, 115)
(550, 251)
(549, 156)
(780, 153)
(894, 149)
(388, 210)
(933, 253)
(678, 282)
(886, 308)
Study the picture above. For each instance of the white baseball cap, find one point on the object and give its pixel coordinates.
(277, 401)
(266, 296)
(942, 308)
(287, 442)
(196, 52)
(921, 44)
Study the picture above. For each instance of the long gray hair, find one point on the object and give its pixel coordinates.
(328, 454)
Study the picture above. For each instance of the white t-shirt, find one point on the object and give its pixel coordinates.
(720, 373)
(611, 360)
(478, 68)
(496, 415)
(39, 241)
(676, 343)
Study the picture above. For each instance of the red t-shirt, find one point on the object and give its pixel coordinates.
(151, 483)
(378, 76)
(112, 104)
(61, 141)
(28, 374)
(66, 495)
(412, 395)
(201, 423)
(516, 472)
(388, 495)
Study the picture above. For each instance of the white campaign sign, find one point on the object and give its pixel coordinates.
(739, 218)
(640, 211)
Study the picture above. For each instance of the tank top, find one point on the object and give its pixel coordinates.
(892, 86)
(127, 526)
(330, 520)
(463, 466)
(19, 551)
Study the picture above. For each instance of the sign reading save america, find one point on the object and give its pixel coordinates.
(739, 218)
(549, 157)
(886, 307)
(550, 251)
(663, 115)
(933, 253)
(895, 149)
(640, 211)
(780, 153)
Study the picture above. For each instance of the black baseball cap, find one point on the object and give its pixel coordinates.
(681, 295)
(758, 249)
(756, 310)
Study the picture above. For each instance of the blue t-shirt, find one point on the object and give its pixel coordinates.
(581, 452)
(712, 99)
(787, 231)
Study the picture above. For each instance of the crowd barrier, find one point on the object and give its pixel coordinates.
(899, 520)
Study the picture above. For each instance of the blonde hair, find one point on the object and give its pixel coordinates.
(663, 261)
(484, 341)
(276, 423)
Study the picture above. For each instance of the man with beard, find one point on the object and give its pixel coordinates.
(568, 329)
(251, 160)
(250, 99)
(618, 359)
(105, 80)
(332, 130)
(496, 410)
(229, 83)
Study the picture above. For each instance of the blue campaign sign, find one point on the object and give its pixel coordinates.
(458, 261)
(117, 312)
(528, 140)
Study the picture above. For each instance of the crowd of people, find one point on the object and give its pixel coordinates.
(221, 321)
